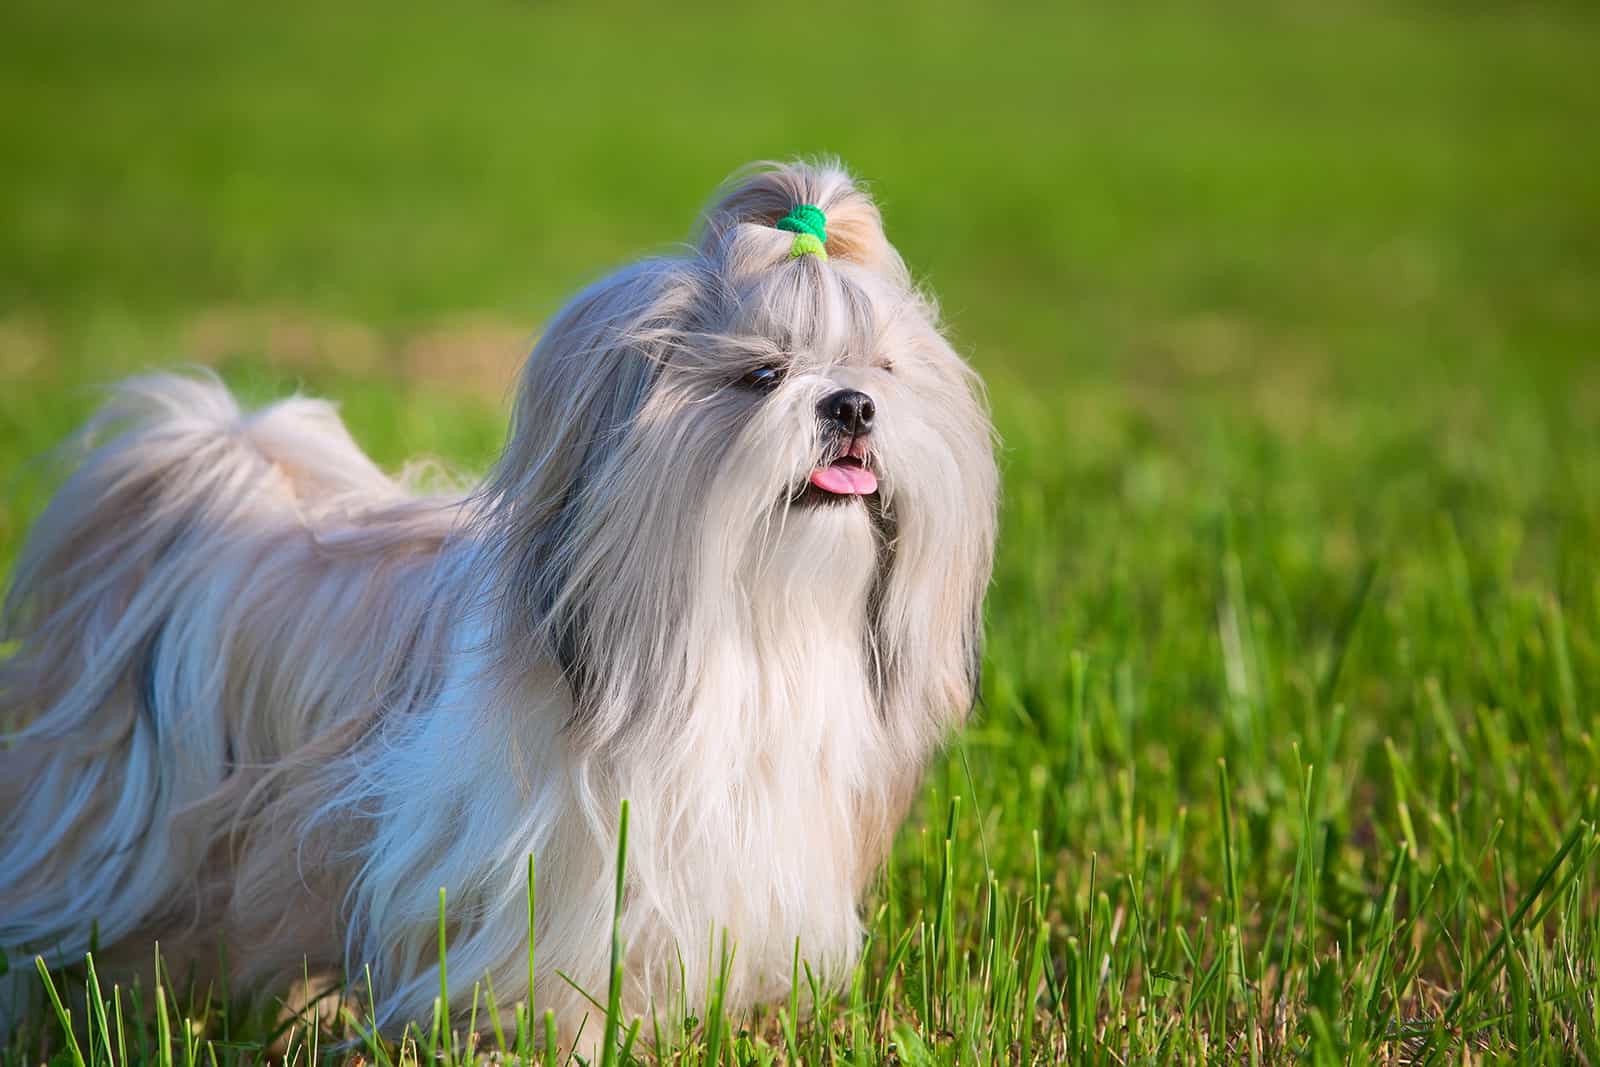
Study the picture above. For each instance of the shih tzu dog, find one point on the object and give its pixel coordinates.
(262, 701)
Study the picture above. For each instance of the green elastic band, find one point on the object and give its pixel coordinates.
(806, 244)
(810, 228)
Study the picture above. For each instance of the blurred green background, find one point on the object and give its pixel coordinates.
(1369, 190)
(1288, 312)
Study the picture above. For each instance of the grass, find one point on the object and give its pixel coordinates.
(1287, 746)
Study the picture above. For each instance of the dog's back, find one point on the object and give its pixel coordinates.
(169, 622)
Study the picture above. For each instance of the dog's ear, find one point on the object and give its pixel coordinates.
(939, 523)
(584, 382)
(563, 616)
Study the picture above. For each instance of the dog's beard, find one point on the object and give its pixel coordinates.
(820, 517)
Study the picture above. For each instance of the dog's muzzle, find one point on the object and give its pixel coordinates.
(848, 415)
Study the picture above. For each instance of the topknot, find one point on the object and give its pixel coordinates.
(766, 193)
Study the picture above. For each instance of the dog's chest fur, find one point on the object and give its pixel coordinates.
(753, 817)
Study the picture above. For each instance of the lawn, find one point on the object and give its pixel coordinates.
(1289, 317)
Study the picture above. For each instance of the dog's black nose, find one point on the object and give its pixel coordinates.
(850, 410)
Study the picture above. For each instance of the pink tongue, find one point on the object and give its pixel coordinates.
(846, 481)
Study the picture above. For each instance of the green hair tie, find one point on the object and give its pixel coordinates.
(810, 228)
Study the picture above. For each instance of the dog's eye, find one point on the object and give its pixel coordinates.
(763, 378)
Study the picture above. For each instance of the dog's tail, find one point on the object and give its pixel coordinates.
(131, 557)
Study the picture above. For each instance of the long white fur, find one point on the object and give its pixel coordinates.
(263, 696)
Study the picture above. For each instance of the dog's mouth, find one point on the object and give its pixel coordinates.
(849, 474)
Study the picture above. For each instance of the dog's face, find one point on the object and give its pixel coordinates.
(741, 430)
(811, 401)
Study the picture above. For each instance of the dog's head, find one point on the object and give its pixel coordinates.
(772, 417)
